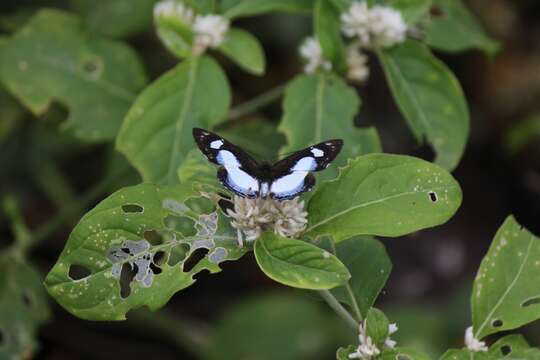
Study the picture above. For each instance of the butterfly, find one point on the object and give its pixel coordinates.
(282, 180)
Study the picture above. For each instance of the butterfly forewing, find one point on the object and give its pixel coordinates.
(238, 171)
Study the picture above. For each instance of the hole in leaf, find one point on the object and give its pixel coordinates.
(78, 272)
(194, 259)
(531, 301)
(2, 337)
(92, 66)
(436, 11)
(497, 323)
(27, 299)
(153, 237)
(132, 208)
(433, 196)
(159, 258)
(225, 205)
(126, 277)
(506, 349)
(200, 205)
(181, 224)
(178, 253)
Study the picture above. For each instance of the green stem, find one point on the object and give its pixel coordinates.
(52, 181)
(256, 103)
(185, 333)
(338, 308)
(348, 288)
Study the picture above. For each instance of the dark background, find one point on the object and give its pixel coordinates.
(433, 269)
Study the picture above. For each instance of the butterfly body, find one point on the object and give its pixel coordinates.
(283, 180)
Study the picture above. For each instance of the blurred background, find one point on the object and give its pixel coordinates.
(55, 179)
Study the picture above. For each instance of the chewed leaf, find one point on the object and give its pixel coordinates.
(383, 194)
(23, 308)
(513, 347)
(299, 264)
(506, 292)
(117, 259)
(54, 58)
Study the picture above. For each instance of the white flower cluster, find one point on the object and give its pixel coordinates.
(472, 343)
(378, 26)
(253, 216)
(358, 70)
(367, 349)
(312, 53)
(209, 30)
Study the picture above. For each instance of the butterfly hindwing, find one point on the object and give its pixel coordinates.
(238, 171)
(291, 176)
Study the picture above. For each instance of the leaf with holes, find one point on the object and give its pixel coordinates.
(156, 134)
(430, 98)
(506, 291)
(464, 354)
(242, 8)
(117, 18)
(321, 107)
(23, 308)
(196, 169)
(385, 195)
(328, 31)
(245, 50)
(298, 264)
(454, 28)
(369, 265)
(138, 247)
(513, 347)
(53, 58)
(403, 353)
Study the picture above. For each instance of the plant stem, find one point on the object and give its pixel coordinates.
(348, 288)
(338, 308)
(256, 103)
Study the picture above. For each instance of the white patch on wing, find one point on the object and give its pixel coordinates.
(237, 178)
(216, 144)
(317, 152)
(289, 184)
(305, 164)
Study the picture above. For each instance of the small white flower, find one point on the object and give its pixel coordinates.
(253, 216)
(387, 26)
(356, 22)
(378, 26)
(312, 53)
(358, 70)
(209, 32)
(472, 343)
(174, 10)
(367, 349)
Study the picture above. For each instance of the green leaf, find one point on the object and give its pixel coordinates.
(513, 347)
(298, 264)
(23, 308)
(116, 18)
(403, 353)
(242, 8)
(11, 113)
(505, 292)
(53, 58)
(321, 107)
(369, 265)
(244, 49)
(175, 34)
(197, 169)
(156, 134)
(430, 98)
(411, 10)
(385, 195)
(328, 31)
(133, 249)
(377, 326)
(456, 29)
(343, 352)
(464, 354)
(273, 326)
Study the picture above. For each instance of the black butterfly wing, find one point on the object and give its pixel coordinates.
(292, 175)
(238, 171)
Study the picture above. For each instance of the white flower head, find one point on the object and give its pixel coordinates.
(357, 66)
(367, 350)
(387, 26)
(378, 26)
(253, 216)
(312, 53)
(174, 10)
(472, 343)
(209, 32)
